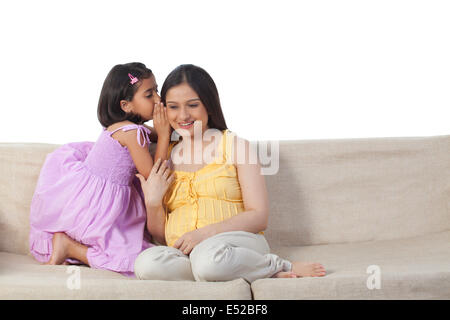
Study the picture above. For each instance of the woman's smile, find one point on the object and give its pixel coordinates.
(186, 125)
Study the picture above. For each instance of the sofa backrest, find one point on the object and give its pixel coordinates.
(351, 190)
(325, 191)
(20, 164)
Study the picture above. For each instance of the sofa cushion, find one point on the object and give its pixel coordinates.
(23, 278)
(414, 268)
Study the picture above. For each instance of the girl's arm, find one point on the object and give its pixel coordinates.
(154, 189)
(164, 131)
(140, 154)
(153, 135)
(156, 222)
(162, 147)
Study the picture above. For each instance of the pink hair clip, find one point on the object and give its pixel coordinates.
(133, 79)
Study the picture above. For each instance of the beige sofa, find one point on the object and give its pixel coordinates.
(375, 212)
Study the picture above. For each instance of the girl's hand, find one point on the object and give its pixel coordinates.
(190, 239)
(160, 121)
(155, 187)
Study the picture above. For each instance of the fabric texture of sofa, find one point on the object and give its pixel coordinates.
(374, 211)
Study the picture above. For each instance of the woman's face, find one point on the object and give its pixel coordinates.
(184, 108)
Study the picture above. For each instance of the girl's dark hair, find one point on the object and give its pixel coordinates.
(202, 83)
(116, 87)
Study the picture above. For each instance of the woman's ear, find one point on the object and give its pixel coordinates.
(126, 106)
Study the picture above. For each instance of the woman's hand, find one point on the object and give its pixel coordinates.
(190, 239)
(161, 122)
(155, 187)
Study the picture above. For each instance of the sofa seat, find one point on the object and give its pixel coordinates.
(412, 268)
(21, 277)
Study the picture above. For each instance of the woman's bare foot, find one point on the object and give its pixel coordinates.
(308, 269)
(60, 243)
(284, 274)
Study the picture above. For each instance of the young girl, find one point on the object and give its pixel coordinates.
(88, 206)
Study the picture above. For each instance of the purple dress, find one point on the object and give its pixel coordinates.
(90, 192)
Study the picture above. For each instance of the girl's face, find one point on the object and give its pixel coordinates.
(184, 108)
(144, 99)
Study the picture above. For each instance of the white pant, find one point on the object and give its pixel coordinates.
(225, 256)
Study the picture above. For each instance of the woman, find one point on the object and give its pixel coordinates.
(214, 213)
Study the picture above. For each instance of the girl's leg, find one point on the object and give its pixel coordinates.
(65, 247)
(40, 243)
(163, 263)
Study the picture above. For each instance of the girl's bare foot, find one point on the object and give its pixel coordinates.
(60, 243)
(308, 269)
(284, 274)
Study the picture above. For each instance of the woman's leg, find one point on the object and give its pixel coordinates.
(163, 263)
(64, 248)
(237, 254)
(240, 254)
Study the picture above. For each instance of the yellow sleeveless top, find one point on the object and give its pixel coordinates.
(209, 195)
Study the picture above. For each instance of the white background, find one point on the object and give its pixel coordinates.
(284, 69)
